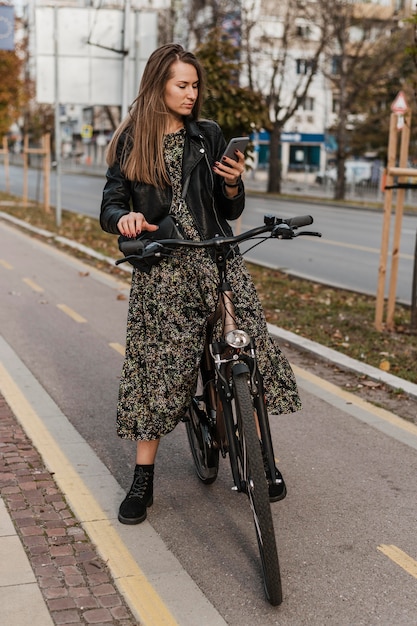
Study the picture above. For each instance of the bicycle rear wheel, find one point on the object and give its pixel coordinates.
(257, 487)
(203, 450)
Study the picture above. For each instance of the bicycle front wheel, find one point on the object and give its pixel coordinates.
(257, 487)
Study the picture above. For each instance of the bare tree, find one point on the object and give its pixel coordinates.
(288, 48)
(194, 19)
(362, 52)
(283, 43)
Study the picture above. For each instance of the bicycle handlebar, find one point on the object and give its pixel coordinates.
(278, 227)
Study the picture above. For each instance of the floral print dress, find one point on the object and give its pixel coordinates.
(168, 309)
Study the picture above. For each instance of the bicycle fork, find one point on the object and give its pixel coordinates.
(230, 361)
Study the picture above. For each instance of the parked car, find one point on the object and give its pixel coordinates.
(356, 172)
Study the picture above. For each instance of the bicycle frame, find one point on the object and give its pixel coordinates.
(221, 358)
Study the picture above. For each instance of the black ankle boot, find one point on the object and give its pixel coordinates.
(140, 496)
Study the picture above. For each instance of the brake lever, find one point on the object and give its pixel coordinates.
(152, 249)
(310, 233)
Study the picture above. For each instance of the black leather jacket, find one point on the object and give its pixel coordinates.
(202, 189)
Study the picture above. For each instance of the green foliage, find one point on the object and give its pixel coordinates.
(40, 120)
(371, 129)
(238, 110)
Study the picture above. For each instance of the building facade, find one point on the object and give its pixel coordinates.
(279, 43)
(285, 41)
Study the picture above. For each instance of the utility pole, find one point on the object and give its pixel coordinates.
(58, 139)
(126, 59)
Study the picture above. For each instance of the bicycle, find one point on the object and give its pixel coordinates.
(227, 414)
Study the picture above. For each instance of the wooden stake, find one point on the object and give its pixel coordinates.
(382, 271)
(45, 152)
(25, 169)
(46, 144)
(405, 142)
(5, 151)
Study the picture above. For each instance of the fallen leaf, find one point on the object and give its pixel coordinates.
(385, 366)
(121, 296)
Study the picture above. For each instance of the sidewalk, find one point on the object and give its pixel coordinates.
(50, 572)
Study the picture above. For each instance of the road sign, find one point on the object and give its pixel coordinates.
(399, 105)
(86, 131)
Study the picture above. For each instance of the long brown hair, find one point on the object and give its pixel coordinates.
(142, 157)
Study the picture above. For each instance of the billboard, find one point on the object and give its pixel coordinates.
(83, 56)
(6, 28)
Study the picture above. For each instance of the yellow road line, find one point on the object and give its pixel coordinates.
(144, 601)
(350, 398)
(73, 314)
(5, 264)
(401, 558)
(118, 347)
(30, 283)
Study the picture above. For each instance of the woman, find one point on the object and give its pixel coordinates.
(163, 159)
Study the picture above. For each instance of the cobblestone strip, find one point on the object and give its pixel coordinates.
(75, 583)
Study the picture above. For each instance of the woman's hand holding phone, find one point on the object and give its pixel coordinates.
(232, 164)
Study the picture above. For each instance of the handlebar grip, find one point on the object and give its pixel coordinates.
(133, 246)
(299, 220)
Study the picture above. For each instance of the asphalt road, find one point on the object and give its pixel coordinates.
(347, 255)
(352, 489)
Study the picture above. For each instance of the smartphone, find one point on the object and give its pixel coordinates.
(237, 143)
